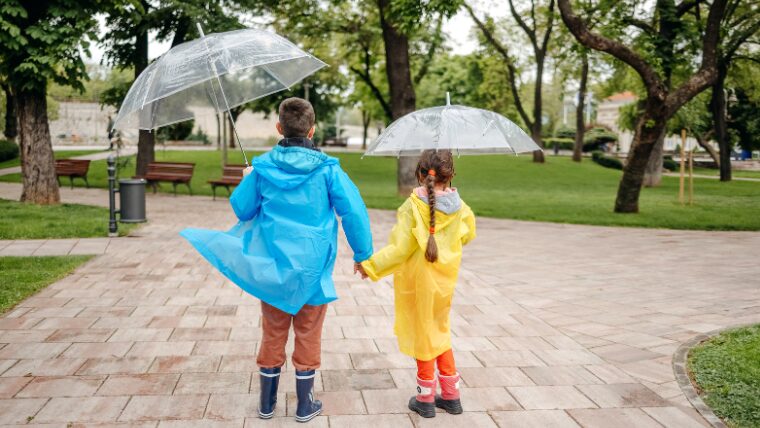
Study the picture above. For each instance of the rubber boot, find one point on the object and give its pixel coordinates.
(270, 380)
(308, 407)
(449, 398)
(424, 402)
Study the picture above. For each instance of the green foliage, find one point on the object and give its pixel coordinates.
(744, 123)
(565, 132)
(595, 138)
(41, 41)
(8, 150)
(199, 136)
(669, 164)
(727, 370)
(599, 157)
(177, 132)
(23, 276)
(564, 143)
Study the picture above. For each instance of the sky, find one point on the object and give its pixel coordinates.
(458, 29)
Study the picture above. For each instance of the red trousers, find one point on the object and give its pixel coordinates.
(307, 326)
(446, 366)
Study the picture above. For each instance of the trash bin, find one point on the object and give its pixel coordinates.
(132, 200)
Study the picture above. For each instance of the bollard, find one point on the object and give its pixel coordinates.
(112, 225)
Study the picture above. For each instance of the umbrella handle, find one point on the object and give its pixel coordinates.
(224, 96)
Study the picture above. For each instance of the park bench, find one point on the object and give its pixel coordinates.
(72, 168)
(171, 172)
(231, 176)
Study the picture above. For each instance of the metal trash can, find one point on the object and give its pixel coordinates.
(132, 200)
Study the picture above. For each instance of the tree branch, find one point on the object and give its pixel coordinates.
(708, 71)
(549, 26)
(639, 24)
(434, 45)
(685, 6)
(367, 79)
(734, 45)
(531, 33)
(512, 70)
(580, 30)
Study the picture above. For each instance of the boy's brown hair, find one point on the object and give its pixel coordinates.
(296, 117)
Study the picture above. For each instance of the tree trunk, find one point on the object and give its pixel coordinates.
(40, 185)
(11, 123)
(653, 173)
(146, 139)
(538, 156)
(644, 140)
(719, 111)
(705, 144)
(580, 126)
(403, 98)
(365, 125)
(232, 132)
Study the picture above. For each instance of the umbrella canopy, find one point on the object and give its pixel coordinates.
(220, 71)
(461, 129)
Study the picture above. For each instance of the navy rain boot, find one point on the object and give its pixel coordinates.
(270, 379)
(308, 407)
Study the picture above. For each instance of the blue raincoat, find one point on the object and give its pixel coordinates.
(283, 249)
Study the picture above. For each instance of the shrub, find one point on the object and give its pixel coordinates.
(199, 136)
(565, 132)
(599, 157)
(669, 164)
(176, 132)
(595, 138)
(8, 150)
(564, 143)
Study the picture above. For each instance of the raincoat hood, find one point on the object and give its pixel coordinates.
(451, 202)
(288, 167)
(447, 203)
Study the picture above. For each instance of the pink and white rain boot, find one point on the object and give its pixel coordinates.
(449, 398)
(424, 402)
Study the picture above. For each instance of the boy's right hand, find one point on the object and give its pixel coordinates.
(360, 269)
(247, 171)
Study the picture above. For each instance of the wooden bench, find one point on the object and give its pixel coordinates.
(72, 168)
(172, 172)
(231, 176)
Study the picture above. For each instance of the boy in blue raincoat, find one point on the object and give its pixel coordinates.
(283, 249)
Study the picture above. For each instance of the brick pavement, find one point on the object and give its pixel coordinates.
(554, 325)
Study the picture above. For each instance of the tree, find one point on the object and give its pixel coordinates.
(41, 43)
(10, 129)
(742, 22)
(661, 102)
(537, 26)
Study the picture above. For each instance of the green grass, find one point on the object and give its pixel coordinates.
(28, 221)
(61, 154)
(726, 369)
(20, 277)
(515, 187)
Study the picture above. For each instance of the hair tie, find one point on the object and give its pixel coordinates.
(431, 172)
(432, 230)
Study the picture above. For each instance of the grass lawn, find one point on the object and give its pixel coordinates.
(514, 187)
(20, 277)
(28, 221)
(726, 370)
(61, 154)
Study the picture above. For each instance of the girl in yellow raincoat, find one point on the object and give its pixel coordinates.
(424, 255)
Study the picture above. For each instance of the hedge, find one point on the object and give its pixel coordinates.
(669, 164)
(564, 143)
(8, 150)
(606, 161)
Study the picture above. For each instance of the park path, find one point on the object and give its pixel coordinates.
(553, 325)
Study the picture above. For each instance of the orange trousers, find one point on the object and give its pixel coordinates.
(446, 366)
(307, 326)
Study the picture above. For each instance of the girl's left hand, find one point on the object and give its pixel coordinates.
(358, 268)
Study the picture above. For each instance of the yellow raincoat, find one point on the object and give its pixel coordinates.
(423, 290)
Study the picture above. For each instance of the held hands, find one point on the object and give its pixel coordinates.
(247, 171)
(359, 269)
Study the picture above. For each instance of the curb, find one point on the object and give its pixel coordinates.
(682, 375)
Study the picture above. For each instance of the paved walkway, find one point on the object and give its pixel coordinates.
(711, 177)
(554, 325)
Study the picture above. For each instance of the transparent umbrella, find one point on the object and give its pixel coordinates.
(221, 71)
(461, 129)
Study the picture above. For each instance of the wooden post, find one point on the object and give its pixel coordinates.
(691, 177)
(224, 139)
(682, 162)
